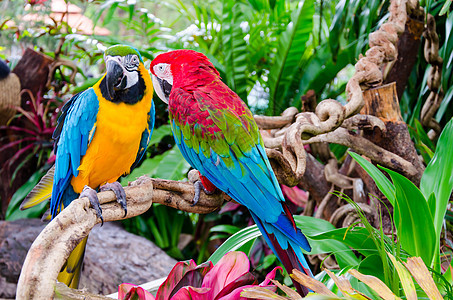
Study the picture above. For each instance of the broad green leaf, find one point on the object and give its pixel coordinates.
(384, 185)
(372, 265)
(321, 235)
(413, 219)
(169, 165)
(159, 133)
(438, 176)
(290, 50)
(173, 166)
(357, 238)
(13, 212)
(405, 278)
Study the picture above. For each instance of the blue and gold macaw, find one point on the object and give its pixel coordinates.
(102, 134)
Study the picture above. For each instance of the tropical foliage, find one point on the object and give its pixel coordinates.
(270, 53)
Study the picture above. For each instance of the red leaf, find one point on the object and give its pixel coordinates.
(127, 291)
(229, 206)
(192, 293)
(270, 276)
(231, 267)
(176, 274)
(295, 195)
(193, 278)
(245, 280)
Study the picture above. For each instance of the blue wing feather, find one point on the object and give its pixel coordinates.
(250, 181)
(146, 136)
(72, 138)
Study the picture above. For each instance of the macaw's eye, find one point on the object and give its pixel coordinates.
(135, 59)
(161, 68)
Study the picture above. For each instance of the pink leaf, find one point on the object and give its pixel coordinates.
(189, 292)
(232, 266)
(295, 195)
(176, 274)
(183, 274)
(236, 294)
(270, 276)
(126, 291)
(229, 206)
(246, 279)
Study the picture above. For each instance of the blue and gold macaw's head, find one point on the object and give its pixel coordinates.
(123, 81)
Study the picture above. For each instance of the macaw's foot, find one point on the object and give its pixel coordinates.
(120, 194)
(93, 197)
(205, 185)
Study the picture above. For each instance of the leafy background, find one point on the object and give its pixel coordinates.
(270, 53)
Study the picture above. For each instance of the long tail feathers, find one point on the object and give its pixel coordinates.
(70, 273)
(41, 192)
(286, 245)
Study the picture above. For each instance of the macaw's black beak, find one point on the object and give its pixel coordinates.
(163, 88)
(116, 80)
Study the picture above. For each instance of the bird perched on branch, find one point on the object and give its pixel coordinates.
(218, 136)
(102, 133)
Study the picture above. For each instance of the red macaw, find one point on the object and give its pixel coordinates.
(217, 135)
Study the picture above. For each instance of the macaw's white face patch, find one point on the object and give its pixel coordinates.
(162, 81)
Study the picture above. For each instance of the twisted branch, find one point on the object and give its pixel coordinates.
(323, 125)
(436, 95)
(52, 247)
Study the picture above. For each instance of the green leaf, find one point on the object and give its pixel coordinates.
(384, 185)
(323, 238)
(445, 8)
(13, 212)
(290, 50)
(110, 13)
(423, 135)
(235, 242)
(413, 219)
(372, 265)
(230, 229)
(438, 176)
(235, 47)
(169, 165)
(445, 103)
(159, 133)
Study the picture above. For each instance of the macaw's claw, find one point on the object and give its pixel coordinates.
(198, 185)
(93, 197)
(120, 194)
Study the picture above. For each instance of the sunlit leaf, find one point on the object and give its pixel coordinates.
(376, 284)
(423, 277)
(405, 279)
(413, 219)
(438, 175)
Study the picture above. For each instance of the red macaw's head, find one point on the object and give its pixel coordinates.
(179, 68)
